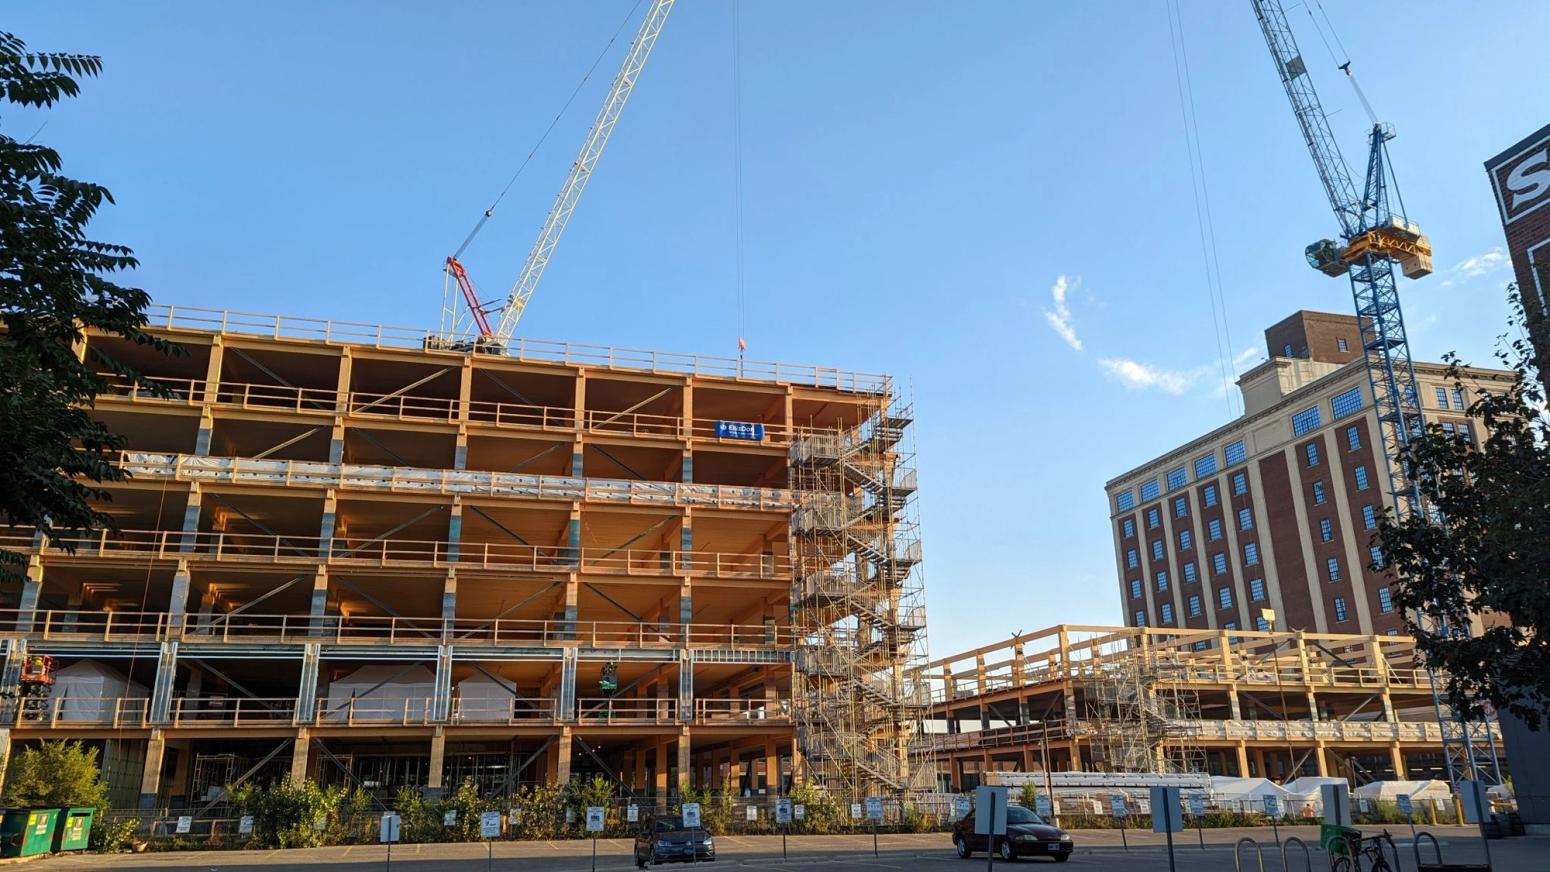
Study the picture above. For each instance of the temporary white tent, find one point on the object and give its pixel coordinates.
(480, 698)
(89, 691)
(1246, 794)
(381, 692)
(1390, 791)
(1305, 792)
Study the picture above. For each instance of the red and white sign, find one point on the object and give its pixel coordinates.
(1521, 177)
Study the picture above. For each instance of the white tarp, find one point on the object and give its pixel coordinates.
(1390, 791)
(381, 692)
(479, 698)
(89, 691)
(1246, 794)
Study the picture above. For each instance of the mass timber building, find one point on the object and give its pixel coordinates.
(349, 556)
(1276, 705)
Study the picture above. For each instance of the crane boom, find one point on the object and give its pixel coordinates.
(581, 169)
(1375, 238)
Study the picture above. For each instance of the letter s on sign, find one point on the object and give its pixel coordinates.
(1529, 179)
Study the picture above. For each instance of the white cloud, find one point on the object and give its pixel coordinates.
(1060, 319)
(1484, 264)
(1246, 357)
(1143, 376)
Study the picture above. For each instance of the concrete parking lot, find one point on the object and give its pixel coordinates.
(1098, 849)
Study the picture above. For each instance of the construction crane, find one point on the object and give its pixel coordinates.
(494, 324)
(1375, 237)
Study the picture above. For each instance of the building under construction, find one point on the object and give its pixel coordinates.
(1273, 705)
(350, 555)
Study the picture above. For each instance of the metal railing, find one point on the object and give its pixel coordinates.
(165, 317)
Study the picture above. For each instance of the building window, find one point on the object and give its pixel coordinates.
(1180, 507)
(1345, 403)
(1157, 549)
(1340, 344)
(1251, 553)
(1140, 618)
(1130, 558)
(1447, 427)
(1235, 453)
(1318, 493)
(1135, 588)
(1194, 606)
(1261, 624)
(1361, 477)
(1376, 554)
(1332, 566)
(1465, 432)
(1177, 479)
(1186, 540)
(1219, 563)
(1340, 614)
(1224, 595)
(1245, 519)
(1149, 490)
(1326, 530)
(1206, 465)
(1162, 582)
(1167, 613)
(1385, 600)
(1125, 501)
(1458, 399)
(1353, 437)
(1286, 350)
(1312, 450)
(1307, 419)
(1442, 397)
(1189, 572)
(1369, 517)
(1208, 495)
(1257, 589)
(1214, 529)
(1240, 484)
(1153, 518)
(1128, 527)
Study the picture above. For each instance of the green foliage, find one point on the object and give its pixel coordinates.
(580, 794)
(822, 814)
(1028, 796)
(914, 820)
(540, 812)
(113, 835)
(56, 773)
(54, 285)
(285, 815)
(469, 805)
(715, 805)
(1486, 547)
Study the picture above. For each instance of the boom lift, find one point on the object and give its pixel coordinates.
(1375, 237)
(466, 323)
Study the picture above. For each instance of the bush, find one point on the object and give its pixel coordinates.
(113, 835)
(56, 774)
(822, 815)
(540, 812)
(286, 815)
(715, 805)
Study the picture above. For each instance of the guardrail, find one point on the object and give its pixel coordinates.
(165, 317)
(122, 626)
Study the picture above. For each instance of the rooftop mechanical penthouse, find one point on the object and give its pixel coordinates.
(349, 557)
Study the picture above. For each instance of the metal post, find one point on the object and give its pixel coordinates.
(1169, 828)
(489, 857)
(594, 852)
(990, 838)
(874, 839)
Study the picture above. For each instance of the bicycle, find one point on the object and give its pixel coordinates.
(1346, 855)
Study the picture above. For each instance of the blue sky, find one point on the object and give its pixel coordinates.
(918, 178)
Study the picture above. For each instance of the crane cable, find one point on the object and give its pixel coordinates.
(1202, 195)
(488, 213)
(737, 161)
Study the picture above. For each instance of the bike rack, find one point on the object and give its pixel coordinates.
(1416, 843)
(1237, 858)
(1307, 855)
(1383, 837)
(1440, 866)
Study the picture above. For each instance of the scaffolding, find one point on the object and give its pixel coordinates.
(1143, 714)
(858, 606)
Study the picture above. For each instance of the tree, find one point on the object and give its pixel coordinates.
(54, 286)
(56, 774)
(1483, 548)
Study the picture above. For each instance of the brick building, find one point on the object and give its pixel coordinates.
(1520, 179)
(1276, 509)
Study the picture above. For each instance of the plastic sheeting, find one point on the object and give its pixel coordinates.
(90, 691)
(385, 692)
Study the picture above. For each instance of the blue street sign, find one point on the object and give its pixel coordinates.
(739, 430)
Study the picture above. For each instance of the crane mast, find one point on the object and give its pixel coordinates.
(1374, 239)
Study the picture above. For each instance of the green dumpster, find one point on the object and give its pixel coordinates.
(73, 829)
(27, 831)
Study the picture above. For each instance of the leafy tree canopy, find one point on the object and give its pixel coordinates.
(1482, 552)
(55, 774)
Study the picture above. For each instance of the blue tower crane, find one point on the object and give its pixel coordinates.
(1375, 236)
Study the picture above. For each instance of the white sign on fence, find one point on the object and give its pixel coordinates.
(1167, 814)
(570, 815)
(449, 818)
(185, 823)
(594, 819)
(632, 814)
(490, 825)
(1197, 806)
(245, 825)
(1405, 806)
(390, 826)
(874, 808)
(691, 815)
(799, 812)
(751, 813)
(960, 807)
(1042, 806)
(513, 814)
(782, 811)
(855, 811)
(320, 823)
(1117, 806)
(1273, 806)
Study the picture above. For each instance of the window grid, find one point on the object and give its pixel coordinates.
(1245, 519)
(1167, 613)
(1326, 530)
(1162, 582)
(1140, 619)
(1153, 518)
(1214, 529)
(1442, 397)
(1194, 606)
(1340, 612)
(1177, 478)
(1261, 624)
(1307, 419)
(1124, 501)
(1240, 484)
(1361, 477)
(1385, 600)
(1345, 403)
(1150, 490)
(1186, 540)
(1157, 549)
(1128, 527)
(1312, 452)
(1131, 558)
(1353, 437)
(1219, 563)
(1180, 507)
(1458, 399)
(1189, 572)
(1235, 453)
(1251, 553)
(1341, 344)
(1369, 517)
(1205, 466)
(1318, 493)
(1332, 567)
(1224, 596)
(1376, 554)
(1208, 495)
(1257, 589)
(1135, 588)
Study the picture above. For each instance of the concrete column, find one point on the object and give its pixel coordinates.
(1318, 757)
(662, 786)
(300, 750)
(1397, 759)
(177, 602)
(449, 603)
(685, 767)
(191, 511)
(32, 589)
(166, 676)
(150, 779)
(1235, 704)
(1243, 760)
(319, 602)
(773, 784)
(326, 525)
(454, 529)
(433, 778)
(562, 757)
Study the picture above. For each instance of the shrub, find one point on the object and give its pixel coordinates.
(540, 811)
(715, 805)
(56, 774)
(821, 813)
(113, 835)
(285, 815)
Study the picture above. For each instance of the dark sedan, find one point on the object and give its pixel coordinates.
(666, 840)
(1027, 835)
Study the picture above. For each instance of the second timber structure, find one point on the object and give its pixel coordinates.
(350, 558)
